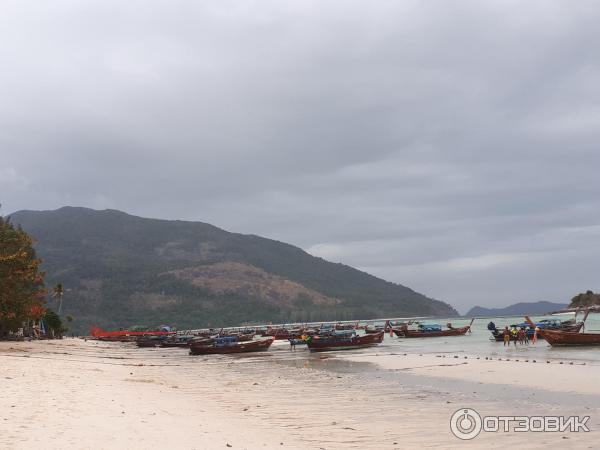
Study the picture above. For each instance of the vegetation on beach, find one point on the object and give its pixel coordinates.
(22, 288)
(53, 323)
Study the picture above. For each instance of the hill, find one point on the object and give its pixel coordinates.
(120, 270)
(517, 309)
(585, 299)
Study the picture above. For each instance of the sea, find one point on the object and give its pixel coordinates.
(478, 343)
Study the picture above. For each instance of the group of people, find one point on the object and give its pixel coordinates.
(520, 335)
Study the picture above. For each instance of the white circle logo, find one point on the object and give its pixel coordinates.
(465, 423)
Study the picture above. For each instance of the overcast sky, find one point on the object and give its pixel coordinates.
(451, 146)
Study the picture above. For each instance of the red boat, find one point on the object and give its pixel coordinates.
(344, 341)
(567, 338)
(124, 335)
(221, 346)
(425, 331)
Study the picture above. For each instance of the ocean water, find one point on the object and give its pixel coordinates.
(478, 342)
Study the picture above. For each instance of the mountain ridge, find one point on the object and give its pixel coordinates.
(112, 261)
(541, 307)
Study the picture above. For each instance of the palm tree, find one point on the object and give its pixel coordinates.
(58, 292)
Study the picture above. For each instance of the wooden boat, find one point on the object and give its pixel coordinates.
(375, 328)
(346, 326)
(178, 342)
(125, 335)
(174, 344)
(343, 341)
(148, 341)
(432, 331)
(220, 346)
(243, 337)
(567, 338)
(498, 334)
(284, 333)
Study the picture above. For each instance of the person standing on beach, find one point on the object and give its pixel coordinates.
(506, 335)
(521, 336)
(535, 333)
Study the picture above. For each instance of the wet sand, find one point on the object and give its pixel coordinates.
(73, 394)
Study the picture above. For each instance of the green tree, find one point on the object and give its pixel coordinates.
(22, 289)
(53, 323)
(58, 292)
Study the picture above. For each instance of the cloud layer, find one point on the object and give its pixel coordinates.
(449, 146)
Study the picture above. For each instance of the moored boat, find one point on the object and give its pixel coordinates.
(284, 333)
(432, 330)
(498, 334)
(125, 335)
(570, 325)
(343, 341)
(228, 345)
(375, 328)
(567, 338)
(177, 342)
(149, 341)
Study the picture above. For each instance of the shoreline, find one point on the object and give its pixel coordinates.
(73, 394)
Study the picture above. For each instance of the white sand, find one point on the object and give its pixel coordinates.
(91, 395)
(521, 372)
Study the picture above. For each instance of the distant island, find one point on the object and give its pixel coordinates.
(517, 309)
(120, 270)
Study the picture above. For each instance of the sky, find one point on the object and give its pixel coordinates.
(450, 146)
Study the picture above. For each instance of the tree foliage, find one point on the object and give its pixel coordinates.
(22, 289)
(589, 298)
(53, 323)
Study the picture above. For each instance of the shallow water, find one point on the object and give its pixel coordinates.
(479, 343)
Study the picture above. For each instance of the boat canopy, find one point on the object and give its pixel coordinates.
(226, 340)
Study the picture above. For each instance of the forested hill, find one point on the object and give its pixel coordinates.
(120, 270)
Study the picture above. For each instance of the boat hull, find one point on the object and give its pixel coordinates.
(371, 331)
(570, 338)
(174, 344)
(321, 344)
(499, 336)
(238, 347)
(441, 333)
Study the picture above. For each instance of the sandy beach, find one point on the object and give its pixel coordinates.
(75, 394)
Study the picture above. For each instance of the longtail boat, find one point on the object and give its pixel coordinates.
(149, 341)
(343, 341)
(346, 326)
(177, 342)
(546, 324)
(567, 338)
(125, 335)
(241, 337)
(284, 333)
(228, 345)
(431, 331)
(375, 328)
(174, 344)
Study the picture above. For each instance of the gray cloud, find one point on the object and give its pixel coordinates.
(449, 146)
